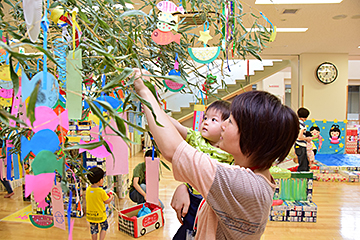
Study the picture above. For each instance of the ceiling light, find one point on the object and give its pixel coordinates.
(283, 29)
(290, 11)
(341, 16)
(296, 1)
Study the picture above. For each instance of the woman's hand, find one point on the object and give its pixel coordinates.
(138, 82)
(180, 201)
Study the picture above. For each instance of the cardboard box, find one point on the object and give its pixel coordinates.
(294, 211)
(136, 227)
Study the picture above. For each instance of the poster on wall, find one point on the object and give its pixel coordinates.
(330, 135)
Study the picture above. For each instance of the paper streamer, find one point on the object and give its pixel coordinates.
(132, 120)
(198, 116)
(58, 206)
(74, 84)
(71, 229)
(152, 180)
(15, 159)
(8, 164)
(60, 47)
(273, 28)
(69, 214)
(119, 165)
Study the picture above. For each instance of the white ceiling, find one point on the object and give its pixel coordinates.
(324, 34)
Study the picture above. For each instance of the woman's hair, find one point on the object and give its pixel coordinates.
(335, 128)
(221, 106)
(267, 128)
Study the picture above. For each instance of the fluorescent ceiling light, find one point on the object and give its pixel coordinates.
(296, 1)
(283, 29)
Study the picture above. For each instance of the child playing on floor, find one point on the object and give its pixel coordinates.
(186, 199)
(96, 198)
(237, 198)
(137, 189)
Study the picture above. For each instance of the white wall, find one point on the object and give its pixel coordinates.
(275, 84)
(325, 101)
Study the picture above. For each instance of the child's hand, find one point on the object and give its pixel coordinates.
(180, 202)
(139, 83)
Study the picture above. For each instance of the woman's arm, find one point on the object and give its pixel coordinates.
(181, 129)
(166, 136)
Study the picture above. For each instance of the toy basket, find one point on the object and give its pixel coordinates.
(136, 227)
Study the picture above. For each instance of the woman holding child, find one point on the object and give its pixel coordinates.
(237, 198)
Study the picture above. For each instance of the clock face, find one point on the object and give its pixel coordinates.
(327, 73)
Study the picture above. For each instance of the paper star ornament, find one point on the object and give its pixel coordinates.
(205, 36)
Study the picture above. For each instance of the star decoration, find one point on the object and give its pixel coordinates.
(345, 121)
(205, 36)
(324, 121)
(341, 145)
(312, 120)
(335, 121)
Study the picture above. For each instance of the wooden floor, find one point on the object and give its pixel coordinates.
(338, 216)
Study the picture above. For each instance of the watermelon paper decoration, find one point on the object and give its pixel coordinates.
(204, 54)
(173, 86)
(42, 221)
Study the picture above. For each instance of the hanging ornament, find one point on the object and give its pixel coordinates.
(164, 38)
(32, 14)
(169, 7)
(174, 86)
(205, 36)
(204, 54)
(167, 27)
(273, 28)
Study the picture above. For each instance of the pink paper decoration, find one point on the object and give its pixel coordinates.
(119, 165)
(41, 185)
(58, 206)
(46, 118)
(99, 152)
(152, 180)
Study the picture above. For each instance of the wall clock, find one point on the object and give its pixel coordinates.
(326, 72)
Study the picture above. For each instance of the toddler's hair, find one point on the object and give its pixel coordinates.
(303, 112)
(148, 153)
(268, 129)
(308, 134)
(221, 106)
(95, 174)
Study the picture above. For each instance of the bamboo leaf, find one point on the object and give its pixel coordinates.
(14, 78)
(117, 80)
(132, 13)
(32, 102)
(88, 146)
